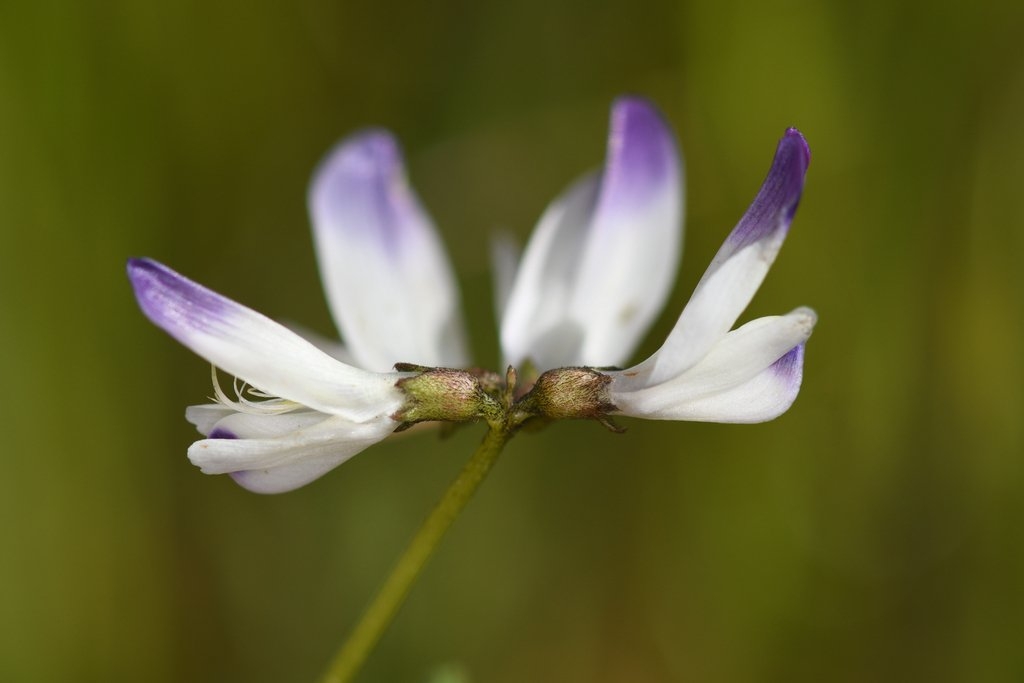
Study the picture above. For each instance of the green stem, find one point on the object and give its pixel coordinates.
(392, 594)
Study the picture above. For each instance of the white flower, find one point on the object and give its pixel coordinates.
(591, 281)
(705, 372)
(326, 410)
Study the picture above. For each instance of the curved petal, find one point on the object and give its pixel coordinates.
(738, 269)
(250, 426)
(206, 416)
(536, 323)
(601, 261)
(278, 453)
(739, 357)
(256, 349)
(632, 252)
(387, 278)
(763, 397)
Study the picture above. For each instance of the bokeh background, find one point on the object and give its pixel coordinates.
(872, 533)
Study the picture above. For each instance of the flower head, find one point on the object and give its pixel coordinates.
(590, 282)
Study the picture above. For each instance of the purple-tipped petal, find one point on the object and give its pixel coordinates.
(776, 203)
(738, 357)
(602, 260)
(763, 397)
(642, 162)
(256, 349)
(737, 270)
(385, 273)
(630, 261)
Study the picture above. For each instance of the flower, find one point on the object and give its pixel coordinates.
(590, 283)
(753, 373)
(325, 412)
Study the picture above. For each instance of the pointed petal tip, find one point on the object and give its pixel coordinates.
(793, 157)
(170, 300)
(795, 142)
(795, 137)
(138, 267)
(772, 210)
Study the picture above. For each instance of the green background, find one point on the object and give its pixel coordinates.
(874, 532)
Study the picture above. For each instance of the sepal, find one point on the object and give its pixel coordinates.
(445, 394)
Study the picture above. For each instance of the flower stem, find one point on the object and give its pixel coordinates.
(392, 594)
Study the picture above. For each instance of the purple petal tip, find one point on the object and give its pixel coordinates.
(370, 153)
(773, 209)
(642, 155)
(221, 433)
(172, 301)
(794, 136)
(360, 191)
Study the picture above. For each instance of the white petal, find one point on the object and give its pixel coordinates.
(741, 356)
(205, 417)
(387, 278)
(601, 261)
(629, 261)
(737, 270)
(278, 453)
(331, 347)
(763, 397)
(256, 349)
(536, 322)
(505, 253)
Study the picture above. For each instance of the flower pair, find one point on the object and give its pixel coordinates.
(587, 287)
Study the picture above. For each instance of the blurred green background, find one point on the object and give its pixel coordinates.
(872, 533)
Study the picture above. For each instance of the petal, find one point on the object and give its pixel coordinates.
(505, 255)
(601, 261)
(536, 323)
(738, 269)
(763, 397)
(387, 279)
(257, 426)
(737, 359)
(331, 347)
(205, 417)
(256, 349)
(278, 453)
(630, 259)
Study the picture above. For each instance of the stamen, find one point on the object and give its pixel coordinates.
(267, 404)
